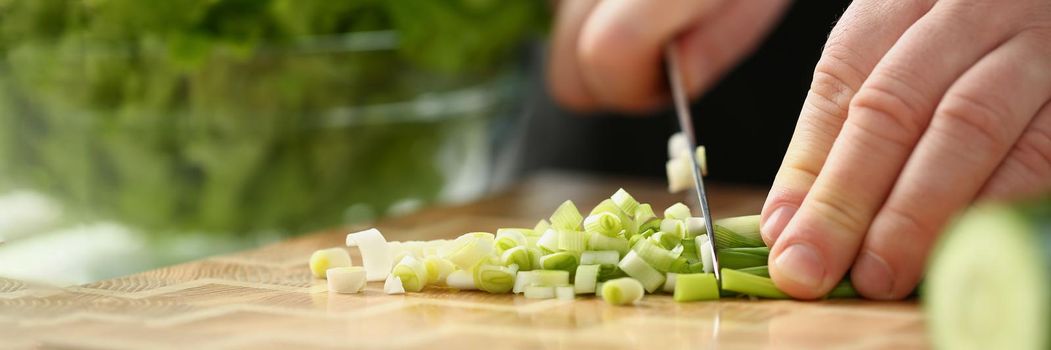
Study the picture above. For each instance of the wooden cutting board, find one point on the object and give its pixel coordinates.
(266, 298)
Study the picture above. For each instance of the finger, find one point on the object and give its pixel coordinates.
(563, 73)
(864, 34)
(620, 48)
(708, 50)
(885, 119)
(1026, 172)
(973, 128)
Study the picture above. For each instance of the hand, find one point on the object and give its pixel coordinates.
(916, 109)
(608, 54)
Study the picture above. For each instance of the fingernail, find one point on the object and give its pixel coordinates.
(777, 221)
(801, 264)
(873, 276)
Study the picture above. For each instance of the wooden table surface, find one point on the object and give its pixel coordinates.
(266, 298)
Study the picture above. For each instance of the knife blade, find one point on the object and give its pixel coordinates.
(682, 109)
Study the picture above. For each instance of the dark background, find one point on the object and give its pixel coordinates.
(745, 122)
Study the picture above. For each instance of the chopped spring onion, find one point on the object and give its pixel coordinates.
(541, 227)
(585, 279)
(677, 211)
(705, 252)
(606, 206)
(523, 279)
(565, 261)
(540, 292)
(739, 258)
(595, 257)
(412, 272)
(519, 256)
(565, 293)
(598, 241)
(654, 255)
(680, 176)
(674, 226)
(843, 290)
(605, 223)
(695, 227)
(635, 267)
(346, 279)
(566, 217)
(669, 282)
(461, 279)
(598, 289)
(645, 218)
(607, 272)
(438, 269)
(548, 242)
(726, 238)
(376, 257)
(622, 291)
(696, 286)
(550, 278)
(507, 238)
(678, 146)
(572, 241)
(666, 240)
(324, 259)
(749, 284)
(494, 278)
(625, 201)
(393, 285)
(467, 250)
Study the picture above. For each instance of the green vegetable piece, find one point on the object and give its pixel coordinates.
(749, 284)
(593, 257)
(740, 258)
(677, 211)
(637, 268)
(695, 287)
(598, 241)
(567, 217)
(519, 256)
(565, 261)
(494, 279)
(656, 256)
(605, 223)
(572, 241)
(761, 271)
(622, 291)
(585, 279)
(624, 201)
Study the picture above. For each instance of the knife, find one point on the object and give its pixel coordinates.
(682, 108)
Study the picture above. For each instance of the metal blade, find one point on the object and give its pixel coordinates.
(686, 125)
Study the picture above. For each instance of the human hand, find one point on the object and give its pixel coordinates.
(916, 109)
(608, 54)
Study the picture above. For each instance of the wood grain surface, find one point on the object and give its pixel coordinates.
(266, 298)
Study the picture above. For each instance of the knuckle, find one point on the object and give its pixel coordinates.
(605, 49)
(1033, 151)
(840, 211)
(974, 119)
(907, 222)
(887, 115)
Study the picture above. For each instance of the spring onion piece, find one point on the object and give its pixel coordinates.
(624, 201)
(989, 281)
(550, 278)
(572, 241)
(412, 272)
(654, 255)
(749, 284)
(669, 282)
(346, 279)
(761, 271)
(726, 238)
(518, 256)
(461, 279)
(702, 159)
(680, 177)
(645, 218)
(605, 223)
(540, 292)
(696, 286)
(467, 250)
(566, 217)
(494, 278)
(695, 227)
(598, 241)
(705, 252)
(438, 269)
(393, 285)
(677, 211)
(666, 240)
(739, 258)
(375, 253)
(606, 206)
(678, 146)
(674, 226)
(324, 259)
(523, 279)
(622, 291)
(548, 242)
(565, 293)
(634, 266)
(598, 289)
(608, 272)
(565, 261)
(507, 238)
(585, 278)
(597, 257)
